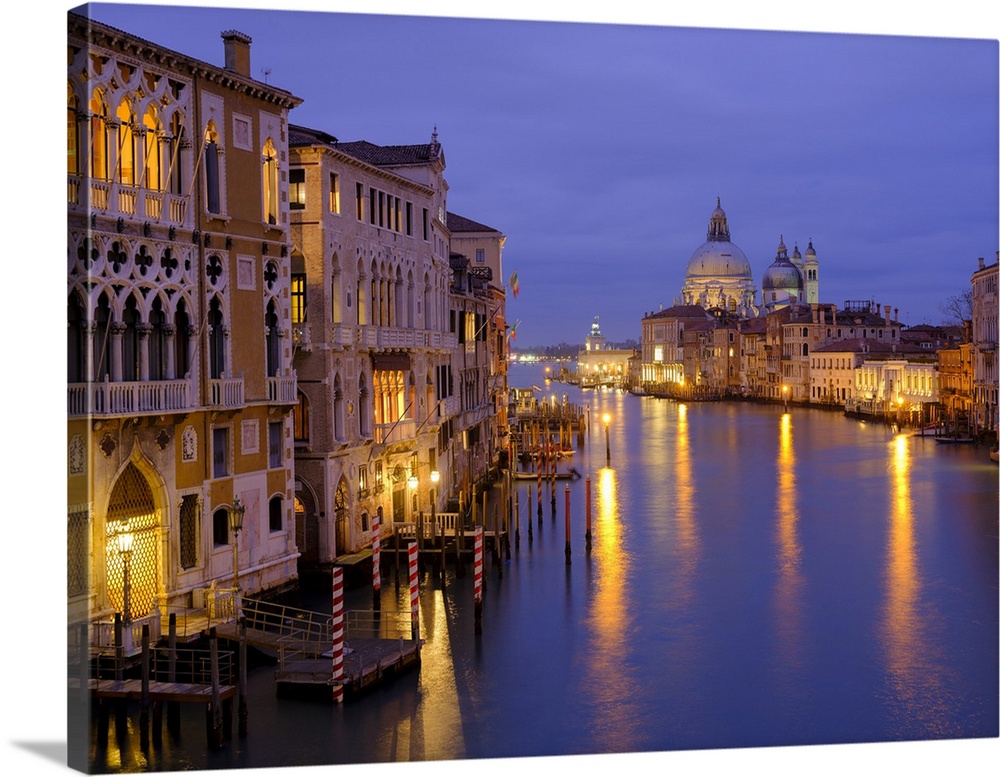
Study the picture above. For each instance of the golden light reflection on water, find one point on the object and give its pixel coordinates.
(417, 734)
(609, 620)
(788, 593)
(687, 539)
(914, 675)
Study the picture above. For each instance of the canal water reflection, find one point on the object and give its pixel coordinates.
(756, 578)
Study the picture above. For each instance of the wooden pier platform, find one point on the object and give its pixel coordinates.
(367, 663)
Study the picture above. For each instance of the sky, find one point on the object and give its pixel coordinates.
(599, 150)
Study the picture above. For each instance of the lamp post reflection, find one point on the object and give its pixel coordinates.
(607, 437)
(789, 582)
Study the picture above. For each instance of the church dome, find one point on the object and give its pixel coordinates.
(782, 274)
(718, 257)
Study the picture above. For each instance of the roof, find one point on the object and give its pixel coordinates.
(681, 311)
(363, 150)
(113, 38)
(875, 347)
(458, 223)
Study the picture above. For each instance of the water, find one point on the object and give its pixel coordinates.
(755, 579)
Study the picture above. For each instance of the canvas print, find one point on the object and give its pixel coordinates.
(446, 389)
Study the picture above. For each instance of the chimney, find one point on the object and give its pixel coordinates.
(982, 263)
(237, 52)
(888, 311)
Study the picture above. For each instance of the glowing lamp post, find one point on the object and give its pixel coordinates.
(899, 412)
(125, 540)
(784, 394)
(607, 437)
(236, 526)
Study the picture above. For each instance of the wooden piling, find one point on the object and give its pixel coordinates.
(214, 713)
(569, 552)
(337, 635)
(588, 536)
(517, 521)
(376, 563)
(414, 598)
(173, 707)
(242, 727)
(477, 588)
(144, 691)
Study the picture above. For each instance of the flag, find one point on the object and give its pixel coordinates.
(514, 285)
(513, 330)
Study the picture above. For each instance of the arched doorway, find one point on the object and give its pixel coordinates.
(306, 529)
(340, 504)
(131, 510)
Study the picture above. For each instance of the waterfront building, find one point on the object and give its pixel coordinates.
(955, 381)
(662, 352)
(718, 273)
(752, 338)
(984, 347)
(896, 381)
(475, 432)
(370, 279)
(180, 380)
(597, 364)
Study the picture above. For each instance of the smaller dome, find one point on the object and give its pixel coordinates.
(810, 251)
(781, 275)
(795, 252)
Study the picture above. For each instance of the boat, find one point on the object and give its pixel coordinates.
(953, 440)
(995, 455)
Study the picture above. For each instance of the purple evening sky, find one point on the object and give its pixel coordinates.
(600, 149)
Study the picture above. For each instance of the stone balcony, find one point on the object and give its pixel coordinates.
(115, 199)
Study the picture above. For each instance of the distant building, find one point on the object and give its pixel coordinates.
(984, 347)
(597, 364)
(718, 273)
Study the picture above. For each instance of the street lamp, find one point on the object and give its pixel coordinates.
(607, 437)
(784, 393)
(236, 526)
(125, 540)
(899, 412)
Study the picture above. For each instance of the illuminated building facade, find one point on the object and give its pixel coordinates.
(370, 276)
(476, 433)
(984, 347)
(180, 380)
(718, 273)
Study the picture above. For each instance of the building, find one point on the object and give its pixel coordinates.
(897, 382)
(662, 346)
(180, 379)
(718, 273)
(984, 348)
(370, 302)
(478, 250)
(597, 364)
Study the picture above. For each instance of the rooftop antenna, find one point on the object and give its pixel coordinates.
(266, 71)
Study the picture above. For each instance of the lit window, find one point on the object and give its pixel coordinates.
(297, 189)
(334, 193)
(298, 298)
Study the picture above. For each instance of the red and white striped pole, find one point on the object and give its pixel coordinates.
(477, 577)
(414, 602)
(337, 632)
(376, 564)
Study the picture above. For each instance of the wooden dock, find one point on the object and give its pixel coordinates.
(304, 670)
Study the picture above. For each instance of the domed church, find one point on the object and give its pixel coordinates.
(718, 273)
(790, 280)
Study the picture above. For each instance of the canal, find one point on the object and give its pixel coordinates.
(756, 579)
